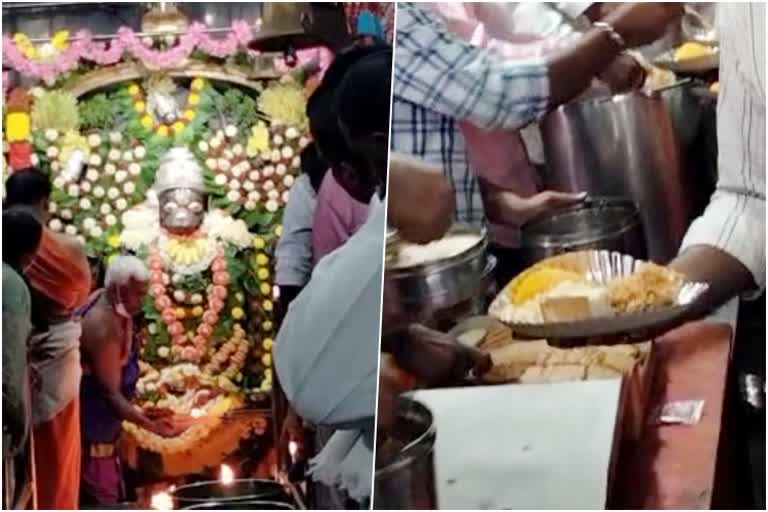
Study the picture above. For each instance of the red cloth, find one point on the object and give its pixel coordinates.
(57, 460)
(19, 155)
(60, 270)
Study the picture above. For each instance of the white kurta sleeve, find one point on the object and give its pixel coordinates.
(734, 221)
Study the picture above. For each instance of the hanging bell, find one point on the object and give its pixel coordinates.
(164, 17)
(289, 26)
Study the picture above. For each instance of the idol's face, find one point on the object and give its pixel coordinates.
(182, 210)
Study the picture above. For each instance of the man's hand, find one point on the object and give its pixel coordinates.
(421, 203)
(624, 74)
(165, 427)
(641, 23)
(506, 207)
(436, 359)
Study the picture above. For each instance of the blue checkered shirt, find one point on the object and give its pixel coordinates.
(440, 80)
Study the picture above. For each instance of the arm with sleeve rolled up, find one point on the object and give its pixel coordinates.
(438, 71)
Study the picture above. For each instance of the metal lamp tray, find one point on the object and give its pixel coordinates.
(601, 267)
(698, 65)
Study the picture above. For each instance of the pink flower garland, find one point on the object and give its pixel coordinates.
(83, 47)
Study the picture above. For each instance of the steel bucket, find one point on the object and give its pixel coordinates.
(611, 224)
(623, 146)
(405, 479)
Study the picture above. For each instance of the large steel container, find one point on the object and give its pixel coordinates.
(626, 146)
(405, 478)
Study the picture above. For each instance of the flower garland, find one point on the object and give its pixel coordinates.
(183, 345)
(84, 47)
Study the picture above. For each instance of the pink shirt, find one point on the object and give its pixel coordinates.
(337, 217)
(499, 157)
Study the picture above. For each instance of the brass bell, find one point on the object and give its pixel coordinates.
(164, 17)
(288, 26)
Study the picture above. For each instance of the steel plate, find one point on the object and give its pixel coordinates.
(601, 267)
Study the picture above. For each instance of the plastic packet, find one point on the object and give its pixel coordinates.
(682, 412)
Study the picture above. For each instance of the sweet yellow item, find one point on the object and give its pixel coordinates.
(539, 280)
(692, 50)
(17, 127)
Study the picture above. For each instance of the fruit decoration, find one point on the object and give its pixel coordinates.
(256, 177)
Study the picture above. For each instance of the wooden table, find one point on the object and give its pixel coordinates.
(674, 466)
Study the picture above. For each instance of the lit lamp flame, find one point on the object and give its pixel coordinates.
(162, 501)
(226, 475)
(293, 448)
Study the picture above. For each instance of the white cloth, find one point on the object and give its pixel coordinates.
(326, 353)
(293, 254)
(734, 221)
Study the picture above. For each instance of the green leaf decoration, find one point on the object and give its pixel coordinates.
(97, 113)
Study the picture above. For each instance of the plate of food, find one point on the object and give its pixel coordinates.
(691, 57)
(589, 294)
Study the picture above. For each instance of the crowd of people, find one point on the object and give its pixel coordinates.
(69, 362)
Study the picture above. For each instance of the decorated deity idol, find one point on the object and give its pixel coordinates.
(195, 345)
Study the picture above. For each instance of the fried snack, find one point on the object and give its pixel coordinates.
(552, 374)
(526, 352)
(598, 371)
(649, 287)
(498, 335)
(472, 337)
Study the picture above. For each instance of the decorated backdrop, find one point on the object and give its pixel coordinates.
(115, 124)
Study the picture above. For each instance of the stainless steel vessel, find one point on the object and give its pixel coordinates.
(442, 292)
(626, 146)
(599, 223)
(405, 479)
